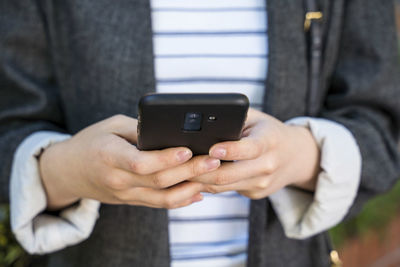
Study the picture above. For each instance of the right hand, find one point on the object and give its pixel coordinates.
(101, 163)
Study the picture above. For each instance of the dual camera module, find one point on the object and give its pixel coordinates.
(193, 121)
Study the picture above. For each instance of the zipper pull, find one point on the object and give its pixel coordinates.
(312, 15)
(335, 260)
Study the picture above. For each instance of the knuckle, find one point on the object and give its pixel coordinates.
(169, 202)
(233, 152)
(138, 167)
(222, 179)
(211, 189)
(115, 183)
(165, 160)
(158, 181)
(270, 166)
(255, 195)
(263, 184)
(122, 197)
(196, 167)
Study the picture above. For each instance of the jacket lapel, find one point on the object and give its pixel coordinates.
(286, 85)
(284, 98)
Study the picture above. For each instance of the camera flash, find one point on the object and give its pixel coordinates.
(212, 118)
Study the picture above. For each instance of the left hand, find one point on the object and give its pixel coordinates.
(269, 156)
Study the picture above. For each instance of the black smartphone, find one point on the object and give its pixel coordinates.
(196, 121)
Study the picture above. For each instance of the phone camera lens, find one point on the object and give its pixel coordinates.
(192, 121)
(194, 115)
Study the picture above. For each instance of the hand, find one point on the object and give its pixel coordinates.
(101, 163)
(269, 156)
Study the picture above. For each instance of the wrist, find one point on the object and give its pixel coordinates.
(308, 156)
(57, 190)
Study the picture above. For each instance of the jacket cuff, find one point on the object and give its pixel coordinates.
(303, 214)
(37, 232)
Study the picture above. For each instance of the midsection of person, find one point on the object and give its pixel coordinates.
(208, 46)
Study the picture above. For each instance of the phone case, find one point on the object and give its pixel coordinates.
(197, 121)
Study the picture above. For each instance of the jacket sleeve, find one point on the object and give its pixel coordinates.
(364, 93)
(29, 99)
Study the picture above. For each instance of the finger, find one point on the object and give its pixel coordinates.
(148, 162)
(120, 179)
(123, 155)
(249, 147)
(256, 185)
(263, 190)
(254, 115)
(194, 167)
(123, 126)
(232, 172)
(177, 196)
(229, 172)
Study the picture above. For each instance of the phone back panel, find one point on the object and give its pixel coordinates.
(164, 120)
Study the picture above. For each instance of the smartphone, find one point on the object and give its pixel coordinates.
(196, 121)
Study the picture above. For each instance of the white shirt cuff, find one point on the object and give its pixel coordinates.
(42, 233)
(303, 214)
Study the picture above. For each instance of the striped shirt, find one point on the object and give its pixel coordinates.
(210, 46)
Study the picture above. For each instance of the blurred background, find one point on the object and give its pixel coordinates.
(370, 240)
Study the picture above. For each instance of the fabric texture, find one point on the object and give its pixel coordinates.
(36, 231)
(304, 214)
(52, 53)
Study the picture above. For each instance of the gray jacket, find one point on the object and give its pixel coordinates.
(67, 64)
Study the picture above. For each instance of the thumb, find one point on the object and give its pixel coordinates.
(123, 126)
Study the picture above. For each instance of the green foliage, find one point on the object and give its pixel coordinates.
(11, 254)
(376, 214)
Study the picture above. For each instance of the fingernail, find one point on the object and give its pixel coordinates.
(218, 152)
(197, 198)
(184, 155)
(212, 163)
